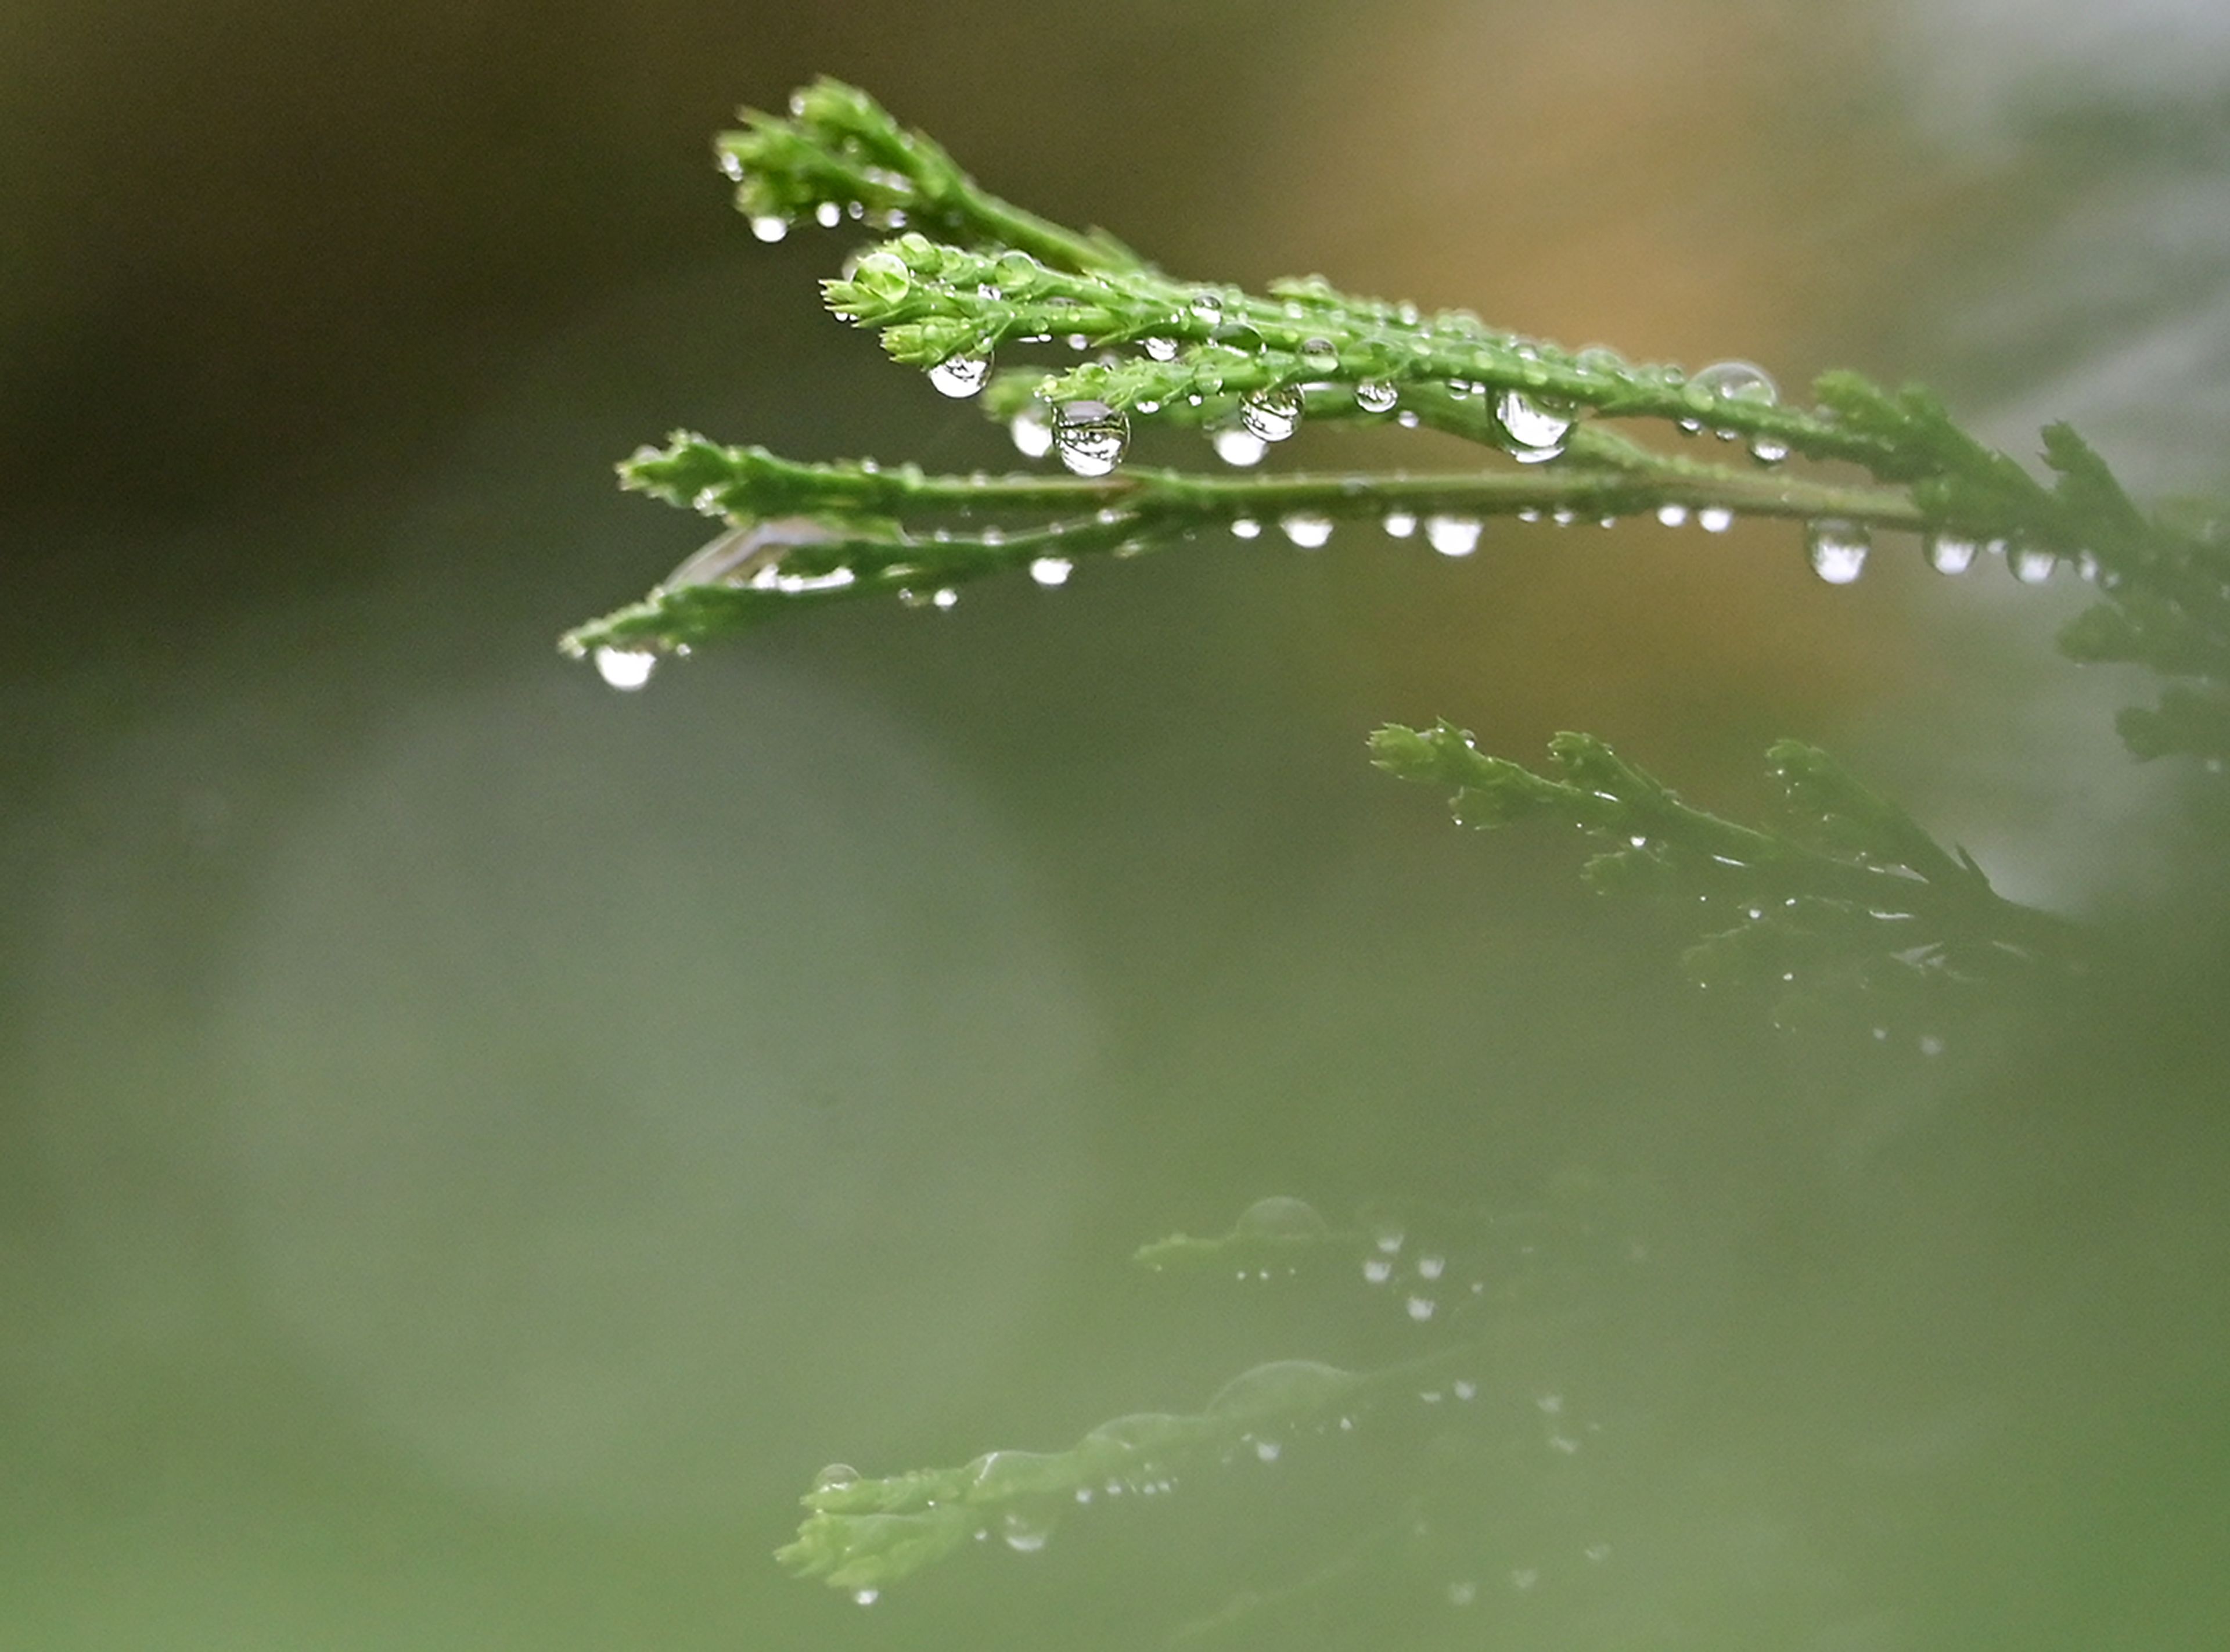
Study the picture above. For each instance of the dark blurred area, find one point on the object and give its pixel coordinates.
(472, 1143)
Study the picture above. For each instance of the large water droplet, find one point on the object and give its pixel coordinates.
(1453, 536)
(1736, 382)
(1051, 571)
(828, 214)
(1951, 553)
(2030, 565)
(963, 373)
(1318, 356)
(1031, 430)
(1246, 528)
(837, 1473)
(945, 599)
(1374, 396)
(1768, 450)
(1281, 1217)
(625, 669)
(769, 226)
(1530, 425)
(1090, 437)
(1159, 350)
(1235, 445)
(1024, 1535)
(1715, 518)
(1837, 550)
(1272, 415)
(866, 1596)
(1672, 515)
(1399, 525)
(1306, 529)
(884, 276)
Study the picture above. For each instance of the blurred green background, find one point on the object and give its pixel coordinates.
(473, 1144)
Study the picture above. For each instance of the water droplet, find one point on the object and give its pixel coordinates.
(1159, 350)
(1431, 1396)
(1318, 356)
(1305, 529)
(769, 226)
(625, 669)
(1031, 430)
(1245, 528)
(1090, 437)
(1715, 518)
(1466, 1389)
(1531, 426)
(1024, 1535)
(1377, 1271)
(1837, 550)
(2031, 566)
(1268, 1450)
(1373, 395)
(1563, 1443)
(883, 276)
(963, 373)
(1431, 1267)
(1768, 450)
(1421, 1309)
(732, 166)
(1281, 1217)
(1673, 515)
(946, 601)
(1407, 419)
(1930, 1045)
(837, 1473)
(1453, 536)
(1949, 553)
(1052, 570)
(1389, 1243)
(1551, 1405)
(827, 215)
(1207, 306)
(866, 1597)
(1736, 382)
(1272, 415)
(1084, 1494)
(1462, 1594)
(1399, 525)
(1524, 1577)
(1235, 445)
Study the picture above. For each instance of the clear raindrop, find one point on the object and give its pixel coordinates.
(1421, 1309)
(828, 214)
(945, 599)
(1673, 515)
(1529, 424)
(769, 226)
(837, 1473)
(2030, 565)
(625, 669)
(1399, 525)
(1268, 1450)
(1768, 450)
(1736, 382)
(1837, 550)
(1373, 395)
(1272, 415)
(1245, 528)
(1281, 1217)
(1024, 1535)
(1051, 571)
(963, 373)
(1951, 553)
(1376, 1270)
(1090, 437)
(1306, 529)
(1235, 445)
(866, 1597)
(1715, 518)
(1159, 350)
(1318, 356)
(1453, 536)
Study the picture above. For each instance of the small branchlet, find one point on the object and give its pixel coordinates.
(1852, 892)
(863, 1535)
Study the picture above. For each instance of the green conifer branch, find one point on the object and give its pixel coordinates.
(1853, 890)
